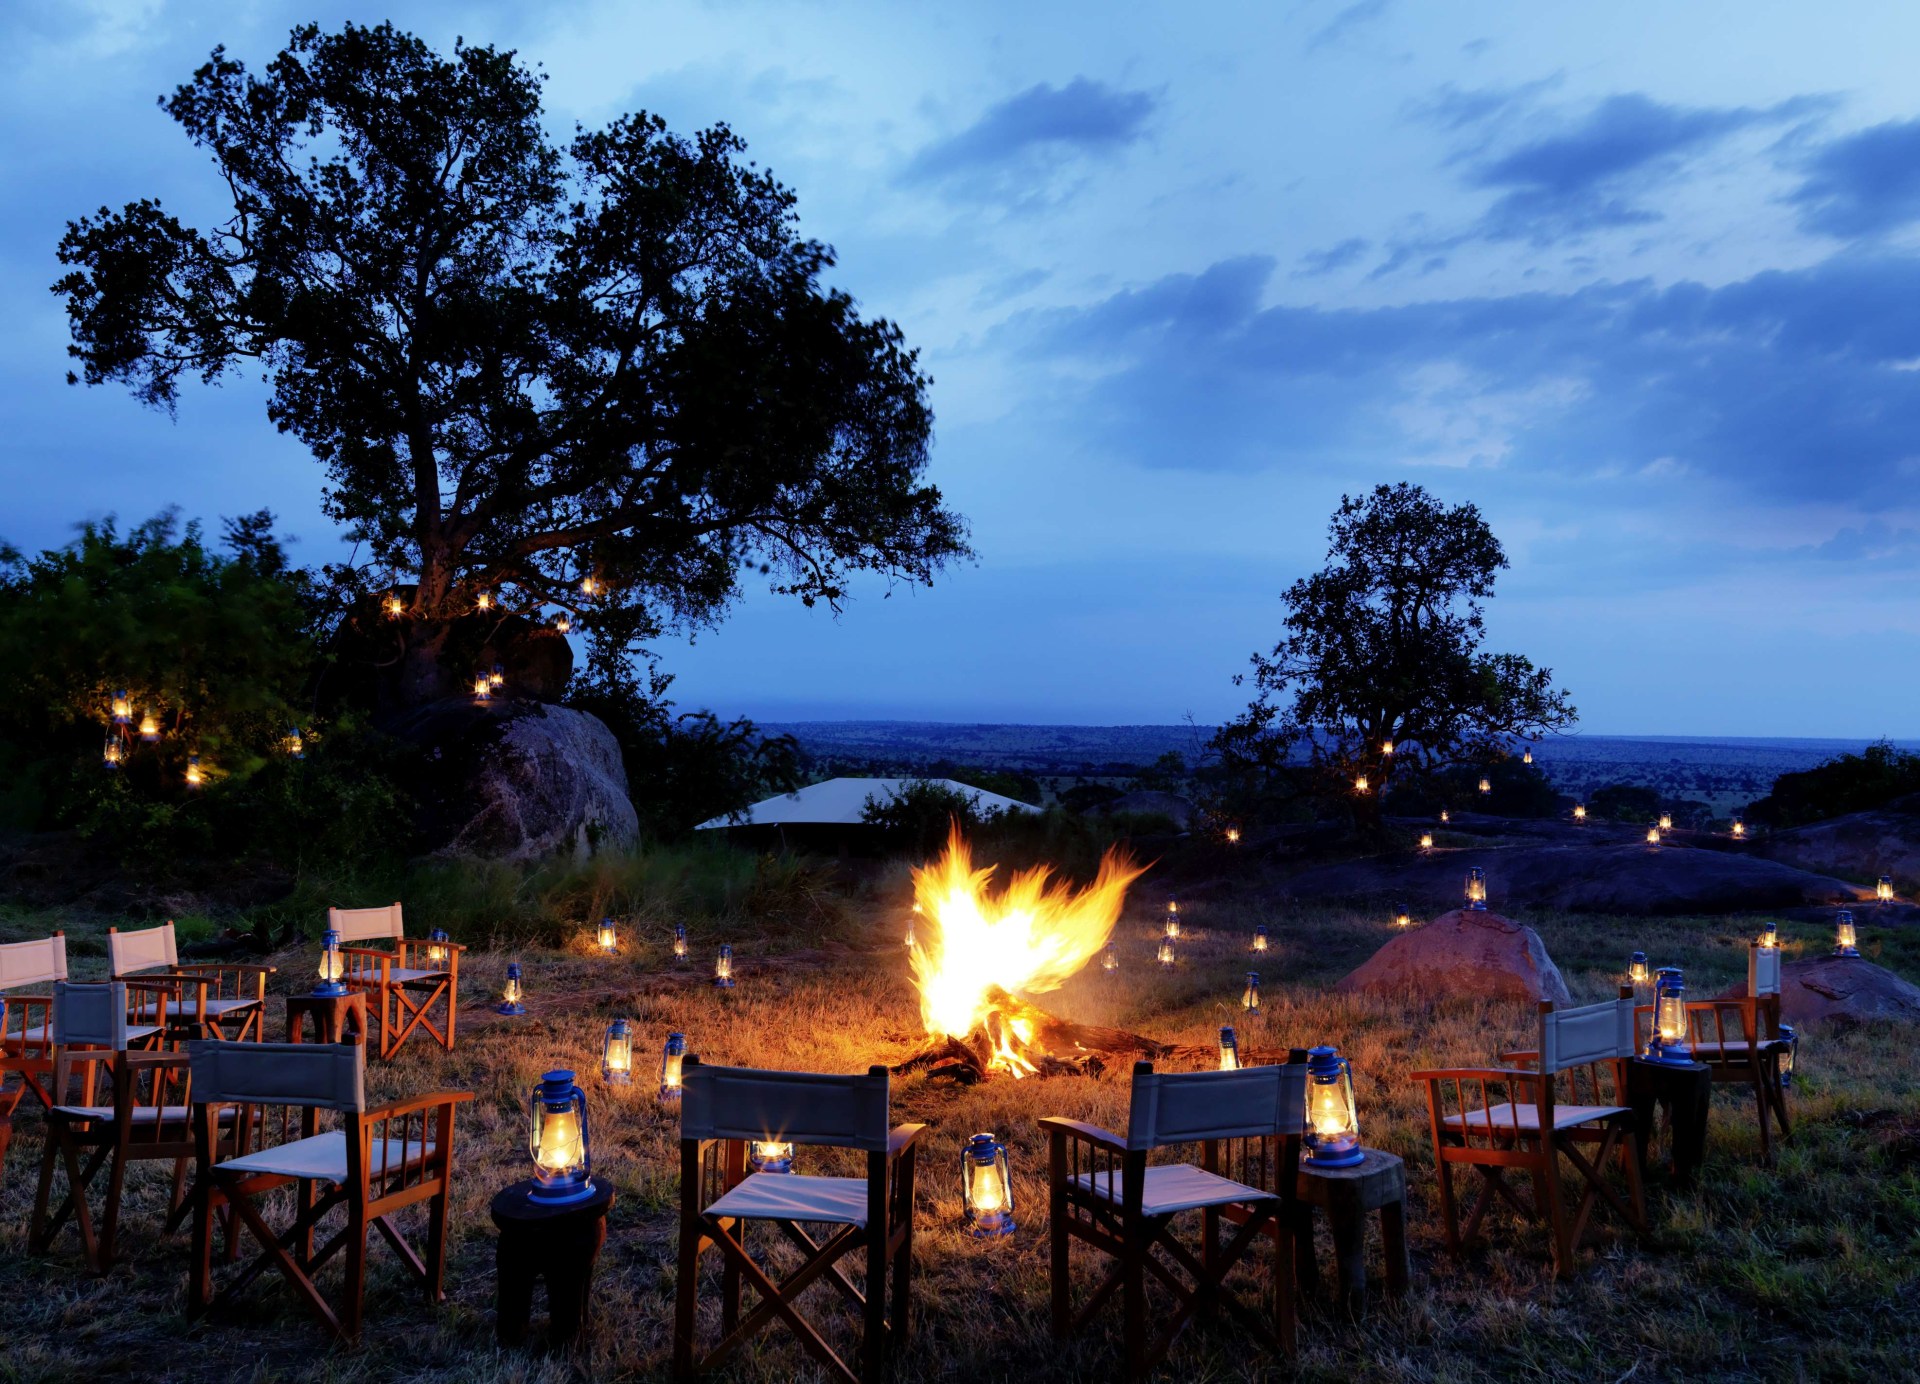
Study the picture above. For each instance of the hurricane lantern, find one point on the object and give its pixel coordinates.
(1884, 889)
(1166, 953)
(511, 993)
(673, 1058)
(1666, 821)
(1110, 958)
(1477, 889)
(393, 605)
(1769, 934)
(1229, 1049)
(333, 966)
(122, 708)
(1332, 1134)
(1739, 829)
(483, 688)
(558, 1139)
(987, 1185)
(723, 968)
(680, 941)
(1360, 783)
(1486, 787)
(1426, 840)
(1259, 937)
(770, 1155)
(607, 936)
(1637, 973)
(1527, 758)
(590, 588)
(1386, 747)
(1845, 943)
(1233, 836)
(1444, 818)
(1250, 997)
(1668, 1045)
(1579, 812)
(111, 755)
(563, 623)
(437, 941)
(149, 728)
(616, 1054)
(1402, 918)
(1653, 836)
(194, 777)
(296, 743)
(484, 601)
(1789, 1053)
(498, 677)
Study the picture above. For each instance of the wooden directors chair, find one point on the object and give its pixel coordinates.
(1103, 1192)
(1738, 1040)
(725, 1108)
(1531, 1130)
(145, 1116)
(215, 999)
(375, 1163)
(400, 994)
(26, 1025)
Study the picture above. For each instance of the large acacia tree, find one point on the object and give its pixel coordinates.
(523, 366)
(1384, 646)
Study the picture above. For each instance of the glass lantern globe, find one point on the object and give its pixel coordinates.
(296, 743)
(393, 606)
(437, 947)
(1229, 1049)
(1477, 889)
(511, 993)
(112, 754)
(1332, 1132)
(1360, 783)
(1259, 937)
(563, 623)
(679, 941)
(986, 1184)
(1426, 840)
(1653, 836)
(1386, 747)
(1166, 954)
(558, 1139)
(1666, 821)
(333, 966)
(1486, 787)
(616, 1054)
(1845, 940)
(122, 707)
(1444, 817)
(770, 1155)
(1233, 836)
(1527, 757)
(1669, 1043)
(1769, 934)
(673, 1059)
(723, 968)
(1110, 958)
(1637, 972)
(498, 677)
(1250, 997)
(482, 688)
(150, 728)
(1884, 889)
(607, 937)
(194, 777)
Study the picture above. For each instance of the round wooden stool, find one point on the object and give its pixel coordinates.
(1377, 1183)
(558, 1243)
(331, 1014)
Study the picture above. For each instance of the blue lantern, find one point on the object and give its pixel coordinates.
(511, 992)
(679, 941)
(1769, 934)
(558, 1140)
(673, 1059)
(1110, 958)
(1789, 1053)
(616, 1054)
(1669, 1043)
(1229, 1049)
(607, 937)
(723, 968)
(1250, 997)
(437, 941)
(1845, 941)
(770, 1155)
(1477, 889)
(333, 966)
(987, 1185)
(1332, 1131)
(1637, 973)
(1259, 937)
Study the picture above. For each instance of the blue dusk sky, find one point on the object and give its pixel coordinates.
(1640, 280)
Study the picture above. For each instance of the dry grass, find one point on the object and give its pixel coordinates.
(1808, 1271)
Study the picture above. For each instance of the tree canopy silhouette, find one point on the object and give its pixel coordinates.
(604, 377)
(1383, 646)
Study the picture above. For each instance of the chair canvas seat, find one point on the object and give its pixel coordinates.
(323, 1157)
(795, 1197)
(407, 975)
(215, 1008)
(1504, 1117)
(142, 1114)
(1174, 1187)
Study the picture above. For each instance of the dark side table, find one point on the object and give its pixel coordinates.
(1685, 1093)
(332, 1016)
(558, 1243)
(1377, 1183)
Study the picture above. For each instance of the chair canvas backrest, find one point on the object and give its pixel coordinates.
(1763, 971)
(142, 950)
(799, 1107)
(323, 1076)
(1184, 1107)
(91, 1014)
(1591, 1033)
(356, 925)
(38, 962)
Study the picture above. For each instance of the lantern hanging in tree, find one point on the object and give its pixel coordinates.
(393, 605)
(483, 602)
(608, 937)
(770, 1155)
(333, 966)
(1845, 943)
(122, 709)
(511, 993)
(1259, 937)
(557, 1136)
(563, 623)
(498, 677)
(1233, 836)
(1250, 997)
(589, 587)
(1360, 784)
(680, 941)
(673, 1059)
(1332, 1133)
(1229, 1049)
(723, 968)
(1386, 747)
(1486, 787)
(194, 777)
(111, 754)
(1669, 1041)
(986, 1183)
(437, 948)
(616, 1054)
(296, 745)
(1477, 889)
(149, 728)
(1884, 889)
(1527, 758)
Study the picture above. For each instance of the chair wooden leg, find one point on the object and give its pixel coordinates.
(1449, 1211)
(37, 1233)
(1060, 1260)
(1285, 1323)
(685, 1299)
(353, 1295)
(873, 1346)
(110, 1213)
(437, 1241)
(1556, 1213)
(901, 1315)
(1133, 1294)
(200, 1275)
(1760, 1109)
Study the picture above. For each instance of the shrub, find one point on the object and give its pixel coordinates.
(1846, 783)
(1624, 802)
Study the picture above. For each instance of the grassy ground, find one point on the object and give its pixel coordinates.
(1808, 1271)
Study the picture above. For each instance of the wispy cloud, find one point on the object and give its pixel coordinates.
(1036, 131)
(1863, 184)
(1343, 24)
(1338, 256)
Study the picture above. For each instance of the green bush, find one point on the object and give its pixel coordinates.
(1847, 783)
(1624, 802)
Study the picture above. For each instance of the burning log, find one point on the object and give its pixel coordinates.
(1025, 1036)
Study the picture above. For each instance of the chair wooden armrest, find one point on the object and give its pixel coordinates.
(1519, 1055)
(1475, 1074)
(903, 1138)
(409, 1104)
(1063, 1128)
(187, 968)
(370, 951)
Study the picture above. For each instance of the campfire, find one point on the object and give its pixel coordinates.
(979, 955)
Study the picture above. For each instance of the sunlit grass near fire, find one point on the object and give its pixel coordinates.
(1814, 1261)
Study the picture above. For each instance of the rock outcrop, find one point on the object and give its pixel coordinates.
(1463, 953)
(1843, 988)
(1862, 845)
(517, 780)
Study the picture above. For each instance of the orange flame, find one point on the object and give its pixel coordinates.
(1027, 940)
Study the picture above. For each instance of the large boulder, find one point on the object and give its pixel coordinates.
(1464, 953)
(1847, 988)
(1862, 845)
(1616, 878)
(516, 780)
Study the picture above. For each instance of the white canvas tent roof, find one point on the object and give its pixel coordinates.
(841, 801)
